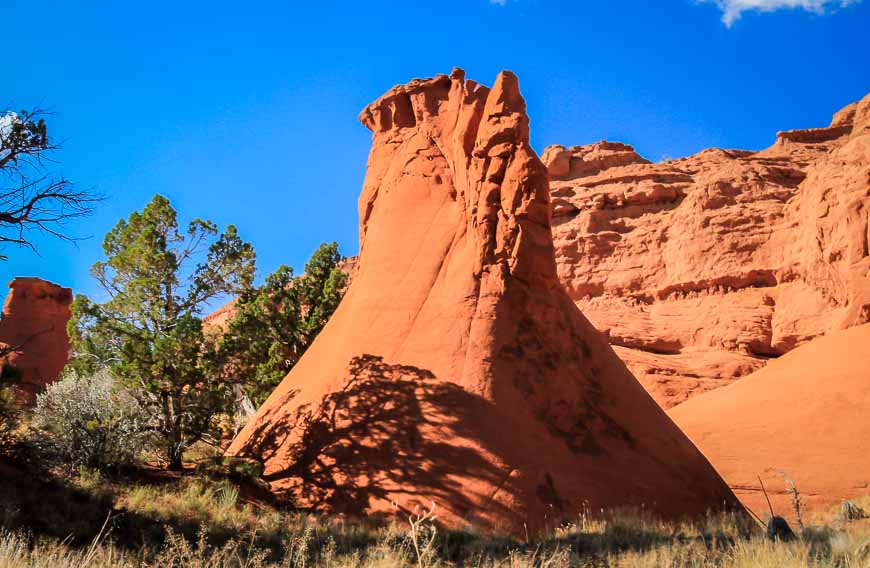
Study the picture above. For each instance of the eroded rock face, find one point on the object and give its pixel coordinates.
(457, 371)
(801, 418)
(33, 326)
(701, 270)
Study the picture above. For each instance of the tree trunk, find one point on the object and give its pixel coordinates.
(175, 461)
(172, 432)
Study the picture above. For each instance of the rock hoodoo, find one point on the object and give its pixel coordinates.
(802, 418)
(700, 270)
(456, 370)
(33, 330)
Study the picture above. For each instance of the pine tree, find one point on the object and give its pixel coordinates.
(275, 323)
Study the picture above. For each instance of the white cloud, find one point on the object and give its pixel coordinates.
(733, 9)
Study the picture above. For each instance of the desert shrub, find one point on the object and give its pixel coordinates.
(91, 421)
(231, 467)
(8, 417)
(10, 374)
(9, 411)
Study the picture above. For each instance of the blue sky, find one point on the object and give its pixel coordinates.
(245, 113)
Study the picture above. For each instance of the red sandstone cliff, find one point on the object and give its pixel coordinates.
(457, 370)
(702, 269)
(33, 326)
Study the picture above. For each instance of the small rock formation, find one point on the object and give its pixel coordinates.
(33, 330)
(457, 371)
(850, 512)
(802, 417)
(702, 269)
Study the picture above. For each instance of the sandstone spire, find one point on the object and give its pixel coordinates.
(457, 370)
(33, 327)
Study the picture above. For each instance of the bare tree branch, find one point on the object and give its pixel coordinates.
(30, 200)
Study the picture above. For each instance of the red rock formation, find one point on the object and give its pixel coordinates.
(33, 326)
(221, 317)
(802, 417)
(702, 269)
(456, 370)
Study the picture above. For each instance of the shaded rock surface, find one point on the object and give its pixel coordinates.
(702, 269)
(456, 370)
(33, 329)
(802, 417)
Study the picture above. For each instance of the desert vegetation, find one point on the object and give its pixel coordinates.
(152, 518)
(191, 382)
(91, 421)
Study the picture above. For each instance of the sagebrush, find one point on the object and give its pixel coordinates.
(92, 421)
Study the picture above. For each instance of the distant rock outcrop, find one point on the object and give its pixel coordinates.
(457, 371)
(33, 330)
(801, 419)
(220, 318)
(702, 269)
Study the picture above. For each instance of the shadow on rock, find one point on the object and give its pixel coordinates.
(392, 430)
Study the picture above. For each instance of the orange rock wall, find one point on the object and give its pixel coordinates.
(702, 269)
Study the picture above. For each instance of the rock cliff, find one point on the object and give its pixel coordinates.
(701, 270)
(456, 370)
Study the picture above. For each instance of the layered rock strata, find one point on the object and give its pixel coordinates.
(701, 270)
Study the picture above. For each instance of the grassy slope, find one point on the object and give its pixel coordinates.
(51, 520)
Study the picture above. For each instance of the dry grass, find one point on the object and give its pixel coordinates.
(391, 549)
(196, 522)
(233, 533)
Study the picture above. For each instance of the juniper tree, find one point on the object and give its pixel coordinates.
(275, 323)
(158, 281)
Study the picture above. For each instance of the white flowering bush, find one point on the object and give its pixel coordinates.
(92, 421)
